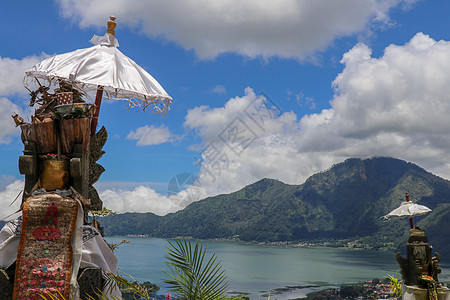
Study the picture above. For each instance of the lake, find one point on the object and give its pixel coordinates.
(262, 269)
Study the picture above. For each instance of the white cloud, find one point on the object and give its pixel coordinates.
(127, 185)
(405, 92)
(6, 180)
(301, 99)
(153, 135)
(12, 72)
(219, 89)
(7, 197)
(145, 199)
(396, 105)
(140, 198)
(7, 125)
(284, 28)
(246, 140)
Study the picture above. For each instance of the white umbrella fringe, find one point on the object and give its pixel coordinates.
(156, 103)
(103, 65)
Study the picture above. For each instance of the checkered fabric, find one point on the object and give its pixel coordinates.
(65, 98)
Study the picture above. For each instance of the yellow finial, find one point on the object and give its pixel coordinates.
(111, 25)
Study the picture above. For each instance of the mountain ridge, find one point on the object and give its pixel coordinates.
(345, 201)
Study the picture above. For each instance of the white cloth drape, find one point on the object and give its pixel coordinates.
(98, 254)
(9, 242)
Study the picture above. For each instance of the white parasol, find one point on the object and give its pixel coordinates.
(104, 68)
(407, 209)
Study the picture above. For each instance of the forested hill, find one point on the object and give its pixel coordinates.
(345, 201)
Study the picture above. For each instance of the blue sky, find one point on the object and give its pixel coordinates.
(328, 80)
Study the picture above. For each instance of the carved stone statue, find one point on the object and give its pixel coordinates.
(419, 261)
(420, 270)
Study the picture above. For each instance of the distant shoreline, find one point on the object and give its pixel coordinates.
(344, 244)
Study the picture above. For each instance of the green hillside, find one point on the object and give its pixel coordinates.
(345, 201)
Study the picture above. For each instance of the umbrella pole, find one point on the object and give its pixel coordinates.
(98, 98)
(410, 218)
(98, 101)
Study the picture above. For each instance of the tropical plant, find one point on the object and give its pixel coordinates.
(51, 296)
(396, 286)
(112, 280)
(126, 286)
(190, 276)
(99, 296)
(95, 214)
(115, 246)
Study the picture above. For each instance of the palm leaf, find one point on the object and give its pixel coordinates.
(58, 296)
(124, 283)
(191, 276)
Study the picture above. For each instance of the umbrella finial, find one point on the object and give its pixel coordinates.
(407, 197)
(111, 25)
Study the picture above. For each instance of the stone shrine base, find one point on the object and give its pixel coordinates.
(415, 293)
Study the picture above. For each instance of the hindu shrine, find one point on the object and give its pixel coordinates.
(54, 248)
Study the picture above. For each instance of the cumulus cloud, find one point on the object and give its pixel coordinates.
(153, 135)
(249, 139)
(218, 89)
(145, 199)
(301, 99)
(7, 126)
(284, 28)
(396, 105)
(7, 197)
(12, 72)
(140, 198)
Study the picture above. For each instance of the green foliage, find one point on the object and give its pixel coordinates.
(95, 214)
(207, 281)
(131, 290)
(396, 286)
(190, 276)
(115, 246)
(50, 296)
(102, 213)
(351, 291)
(128, 287)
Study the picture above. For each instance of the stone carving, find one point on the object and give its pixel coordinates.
(95, 169)
(419, 266)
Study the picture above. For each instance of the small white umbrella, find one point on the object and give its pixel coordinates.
(104, 68)
(407, 209)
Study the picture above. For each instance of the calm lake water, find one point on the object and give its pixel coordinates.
(261, 269)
